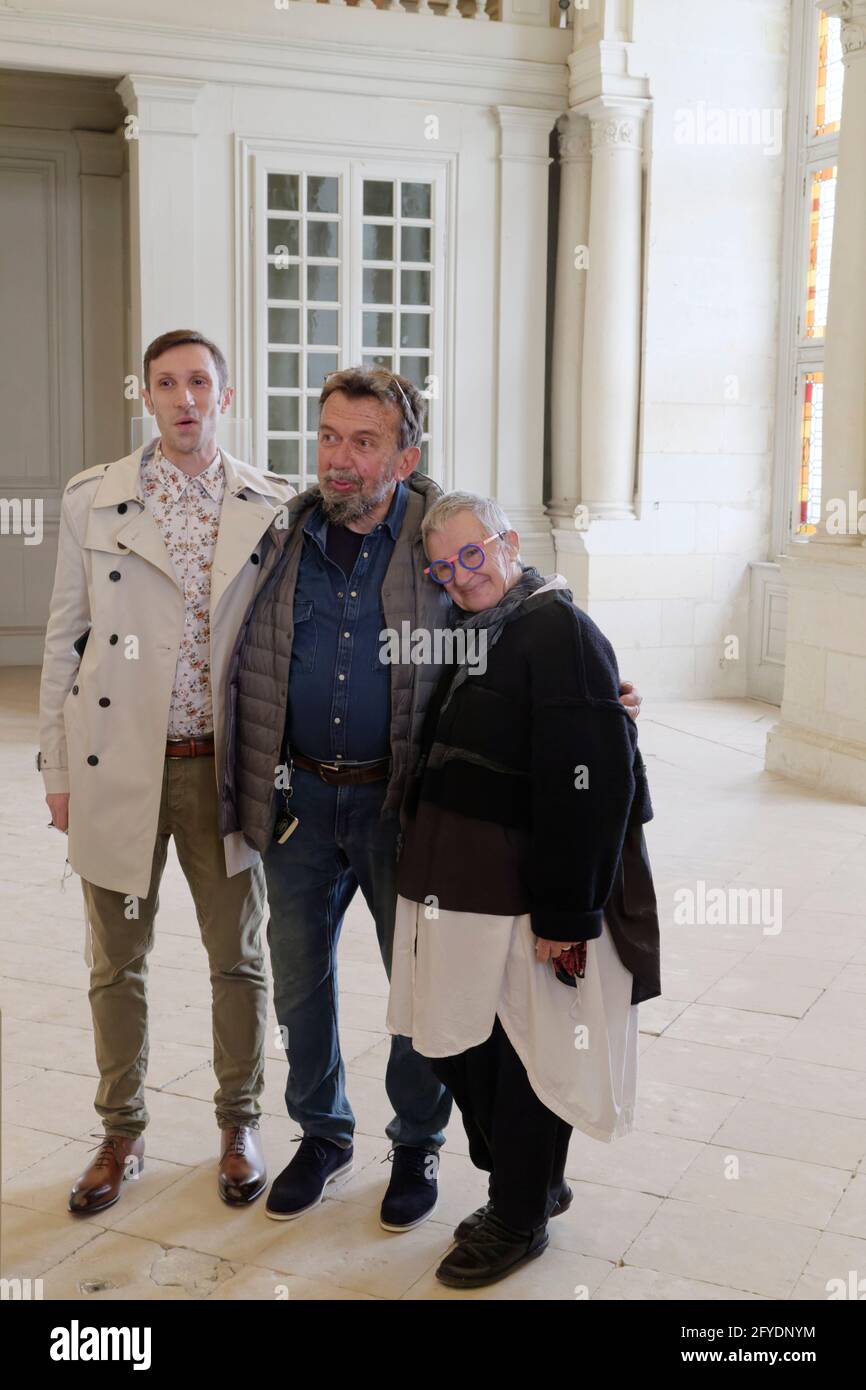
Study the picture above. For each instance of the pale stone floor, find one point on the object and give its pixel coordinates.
(755, 1055)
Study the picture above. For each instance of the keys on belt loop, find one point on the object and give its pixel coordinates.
(287, 822)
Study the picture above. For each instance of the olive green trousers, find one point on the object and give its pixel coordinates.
(229, 911)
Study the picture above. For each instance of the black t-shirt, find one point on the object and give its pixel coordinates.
(342, 546)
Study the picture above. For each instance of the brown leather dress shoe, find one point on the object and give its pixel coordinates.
(99, 1184)
(242, 1174)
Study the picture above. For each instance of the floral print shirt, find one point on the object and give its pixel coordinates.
(187, 512)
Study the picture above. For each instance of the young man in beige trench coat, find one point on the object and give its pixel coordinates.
(156, 566)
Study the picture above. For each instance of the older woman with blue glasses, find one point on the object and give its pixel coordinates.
(526, 927)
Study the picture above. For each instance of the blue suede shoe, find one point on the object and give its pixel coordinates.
(413, 1190)
(300, 1186)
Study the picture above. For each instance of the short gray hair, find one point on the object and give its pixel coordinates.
(487, 509)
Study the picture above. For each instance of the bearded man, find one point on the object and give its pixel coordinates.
(314, 702)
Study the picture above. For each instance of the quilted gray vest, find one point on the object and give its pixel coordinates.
(258, 679)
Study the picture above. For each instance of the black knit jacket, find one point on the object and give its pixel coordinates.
(540, 746)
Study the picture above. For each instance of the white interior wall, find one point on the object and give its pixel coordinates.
(210, 77)
(671, 587)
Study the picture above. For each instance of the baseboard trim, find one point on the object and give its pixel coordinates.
(832, 765)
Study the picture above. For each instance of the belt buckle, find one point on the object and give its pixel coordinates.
(329, 767)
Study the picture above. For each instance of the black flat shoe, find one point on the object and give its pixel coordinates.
(471, 1222)
(490, 1253)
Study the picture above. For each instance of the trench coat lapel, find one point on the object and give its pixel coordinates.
(139, 533)
(243, 522)
(142, 536)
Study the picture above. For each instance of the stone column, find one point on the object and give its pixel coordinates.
(163, 205)
(519, 462)
(611, 366)
(571, 277)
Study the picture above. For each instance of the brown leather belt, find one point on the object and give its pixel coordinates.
(201, 747)
(344, 774)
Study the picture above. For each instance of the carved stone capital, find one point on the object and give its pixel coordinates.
(853, 16)
(615, 132)
(574, 138)
(853, 27)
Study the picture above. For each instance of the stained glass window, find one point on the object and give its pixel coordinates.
(822, 209)
(830, 75)
(816, 98)
(811, 423)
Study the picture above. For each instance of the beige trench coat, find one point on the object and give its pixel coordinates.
(136, 624)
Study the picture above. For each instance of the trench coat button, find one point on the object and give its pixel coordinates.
(93, 760)
(105, 702)
(115, 574)
(255, 559)
(113, 639)
(121, 507)
(75, 689)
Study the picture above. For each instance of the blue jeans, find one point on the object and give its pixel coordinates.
(339, 845)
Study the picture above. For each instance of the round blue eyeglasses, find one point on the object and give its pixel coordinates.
(471, 557)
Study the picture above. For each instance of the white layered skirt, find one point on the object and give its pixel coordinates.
(453, 973)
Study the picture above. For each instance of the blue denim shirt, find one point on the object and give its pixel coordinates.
(339, 703)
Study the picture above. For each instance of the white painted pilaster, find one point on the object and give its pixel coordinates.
(568, 326)
(596, 381)
(103, 294)
(164, 215)
(522, 281)
(611, 371)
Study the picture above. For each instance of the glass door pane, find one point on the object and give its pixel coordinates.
(821, 214)
(304, 312)
(811, 433)
(397, 275)
(830, 77)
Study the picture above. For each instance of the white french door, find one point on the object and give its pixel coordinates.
(348, 266)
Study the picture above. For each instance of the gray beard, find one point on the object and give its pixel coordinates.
(341, 510)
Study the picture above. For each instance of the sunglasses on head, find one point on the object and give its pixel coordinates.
(392, 381)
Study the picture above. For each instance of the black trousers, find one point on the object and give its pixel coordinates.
(512, 1135)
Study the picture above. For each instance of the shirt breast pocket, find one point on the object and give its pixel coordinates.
(306, 637)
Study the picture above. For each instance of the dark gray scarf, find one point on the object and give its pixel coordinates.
(494, 619)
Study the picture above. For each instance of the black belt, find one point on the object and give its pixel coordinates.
(344, 774)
